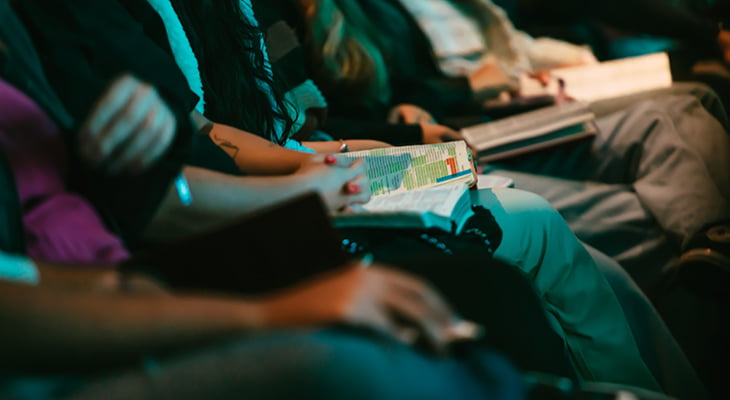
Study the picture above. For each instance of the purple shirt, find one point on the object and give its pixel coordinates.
(60, 226)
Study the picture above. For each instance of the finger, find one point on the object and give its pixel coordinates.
(424, 117)
(358, 190)
(345, 161)
(159, 146)
(336, 160)
(330, 159)
(420, 316)
(360, 198)
(463, 330)
(419, 289)
(113, 99)
(356, 169)
(127, 122)
(451, 135)
(106, 108)
(359, 184)
(383, 319)
(395, 116)
(408, 335)
(139, 143)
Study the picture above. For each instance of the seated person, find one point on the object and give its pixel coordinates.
(131, 318)
(632, 147)
(76, 334)
(196, 50)
(212, 209)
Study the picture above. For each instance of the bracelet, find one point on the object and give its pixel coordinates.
(343, 146)
(183, 190)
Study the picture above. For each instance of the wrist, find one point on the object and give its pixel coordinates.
(252, 316)
(344, 148)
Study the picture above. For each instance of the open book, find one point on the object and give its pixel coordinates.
(422, 186)
(531, 131)
(607, 79)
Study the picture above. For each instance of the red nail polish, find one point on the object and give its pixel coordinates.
(330, 159)
(353, 188)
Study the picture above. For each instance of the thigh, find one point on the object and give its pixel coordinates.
(496, 295)
(611, 218)
(327, 364)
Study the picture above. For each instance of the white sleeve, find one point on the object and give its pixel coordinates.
(548, 53)
(18, 269)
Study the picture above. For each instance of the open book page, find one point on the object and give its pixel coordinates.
(400, 169)
(440, 200)
(606, 79)
(446, 207)
(527, 125)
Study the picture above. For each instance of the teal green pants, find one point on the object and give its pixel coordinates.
(573, 281)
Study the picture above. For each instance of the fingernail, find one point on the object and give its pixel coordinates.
(353, 188)
(330, 159)
(464, 330)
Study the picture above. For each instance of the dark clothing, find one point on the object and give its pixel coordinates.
(85, 45)
(287, 62)
(11, 225)
(21, 66)
(290, 69)
(657, 17)
(328, 364)
(414, 78)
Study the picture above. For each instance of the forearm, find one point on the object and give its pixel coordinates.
(217, 199)
(96, 279)
(58, 330)
(353, 145)
(255, 155)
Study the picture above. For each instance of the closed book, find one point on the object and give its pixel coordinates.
(531, 131)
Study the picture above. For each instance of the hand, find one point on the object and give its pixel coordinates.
(542, 76)
(390, 301)
(129, 128)
(409, 114)
(723, 41)
(488, 81)
(340, 184)
(433, 133)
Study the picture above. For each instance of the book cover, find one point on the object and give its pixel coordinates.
(531, 131)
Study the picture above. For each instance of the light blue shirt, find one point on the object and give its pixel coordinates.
(18, 269)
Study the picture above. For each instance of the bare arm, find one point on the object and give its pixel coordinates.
(353, 145)
(252, 154)
(219, 198)
(57, 329)
(48, 329)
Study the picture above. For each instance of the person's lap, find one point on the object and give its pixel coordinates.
(538, 242)
(326, 364)
(671, 152)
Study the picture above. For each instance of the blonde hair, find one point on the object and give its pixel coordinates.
(350, 48)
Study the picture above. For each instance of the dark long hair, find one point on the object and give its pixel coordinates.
(232, 67)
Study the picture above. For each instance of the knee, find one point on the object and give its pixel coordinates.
(521, 202)
(327, 365)
(524, 209)
(527, 217)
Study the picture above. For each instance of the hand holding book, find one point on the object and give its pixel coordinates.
(341, 182)
(415, 186)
